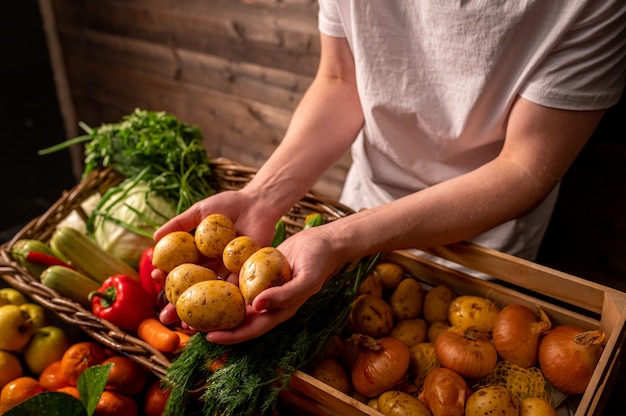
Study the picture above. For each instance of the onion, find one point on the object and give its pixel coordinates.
(445, 392)
(470, 353)
(568, 355)
(517, 333)
(380, 365)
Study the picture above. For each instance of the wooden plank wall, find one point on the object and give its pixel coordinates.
(236, 68)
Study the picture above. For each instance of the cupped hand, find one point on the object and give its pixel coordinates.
(247, 211)
(168, 314)
(312, 261)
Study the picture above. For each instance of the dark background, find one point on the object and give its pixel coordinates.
(586, 237)
(30, 120)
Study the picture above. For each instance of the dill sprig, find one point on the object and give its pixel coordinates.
(256, 371)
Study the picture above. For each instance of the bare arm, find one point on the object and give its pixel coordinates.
(541, 143)
(322, 128)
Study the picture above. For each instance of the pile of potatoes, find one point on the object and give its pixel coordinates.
(203, 299)
(390, 303)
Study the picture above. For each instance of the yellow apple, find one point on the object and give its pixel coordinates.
(37, 313)
(16, 328)
(46, 346)
(10, 367)
(10, 296)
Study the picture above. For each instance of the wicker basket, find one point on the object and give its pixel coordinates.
(228, 175)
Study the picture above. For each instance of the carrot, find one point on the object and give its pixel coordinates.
(162, 338)
(184, 338)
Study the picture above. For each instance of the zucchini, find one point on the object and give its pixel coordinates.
(87, 256)
(71, 284)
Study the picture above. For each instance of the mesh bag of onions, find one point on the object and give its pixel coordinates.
(523, 382)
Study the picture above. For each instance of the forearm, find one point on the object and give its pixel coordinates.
(322, 128)
(540, 146)
(452, 211)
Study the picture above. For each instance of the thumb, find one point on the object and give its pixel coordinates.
(289, 295)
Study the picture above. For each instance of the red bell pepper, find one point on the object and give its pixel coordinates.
(122, 301)
(151, 286)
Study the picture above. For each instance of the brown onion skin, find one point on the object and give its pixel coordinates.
(568, 356)
(445, 392)
(517, 333)
(468, 353)
(376, 371)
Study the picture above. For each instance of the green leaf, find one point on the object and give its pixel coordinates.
(313, 220)
(50, 403)
(280, 234)
(91, 384)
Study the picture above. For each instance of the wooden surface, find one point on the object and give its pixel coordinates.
(236, 68)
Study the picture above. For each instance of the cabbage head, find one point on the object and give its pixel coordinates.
(126, 218)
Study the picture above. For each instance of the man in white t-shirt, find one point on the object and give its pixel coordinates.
(462, 118)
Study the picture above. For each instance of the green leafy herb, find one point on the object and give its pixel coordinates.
(254, 372)
(156, 146)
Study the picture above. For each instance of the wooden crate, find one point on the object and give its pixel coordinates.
(565, 298)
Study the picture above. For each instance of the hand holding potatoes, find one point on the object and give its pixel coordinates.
(202, 300)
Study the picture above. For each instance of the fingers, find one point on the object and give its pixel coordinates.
(303, 284)
(256, 324)
(228, 203)
(185, 221)
(291, 294)
(158, 276)
(168, 315)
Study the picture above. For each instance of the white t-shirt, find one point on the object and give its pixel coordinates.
(437, 79)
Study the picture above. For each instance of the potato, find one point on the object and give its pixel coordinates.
(175, 248)
(213, 233)
(466, 311)
(211, 305)
(437, 302)
(410, 331)
(371, 315)
(335, 347)
(373, 403)
(237, 252)
(370, 286)
(329, 371)
(492, 400)
(388, 274)
(436, 328)
(265, 268)
(407, 299)
(399, 403)
(536, 406)
(181, 277)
